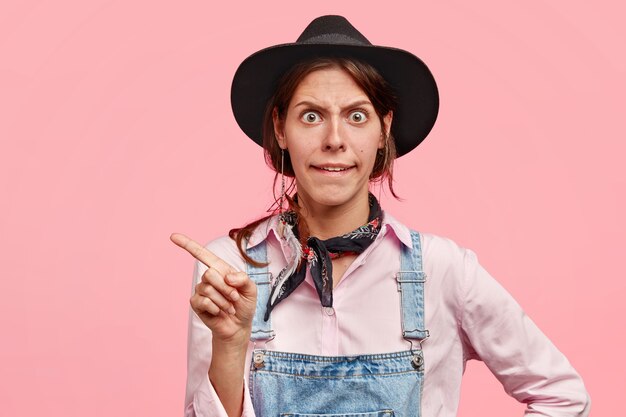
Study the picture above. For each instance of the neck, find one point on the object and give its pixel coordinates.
(325, 222)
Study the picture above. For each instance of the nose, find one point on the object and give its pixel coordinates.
(334, 139)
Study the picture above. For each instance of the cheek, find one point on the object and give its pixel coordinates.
(367, 153)
(297, 160)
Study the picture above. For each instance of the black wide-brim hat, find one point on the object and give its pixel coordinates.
(256, 79)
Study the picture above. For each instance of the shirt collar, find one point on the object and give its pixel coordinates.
(264, 230)
(402, 232)
(270, 227)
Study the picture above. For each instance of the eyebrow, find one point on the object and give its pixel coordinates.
(354, 104)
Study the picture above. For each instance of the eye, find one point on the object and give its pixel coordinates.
(358, 116)
(310, 117)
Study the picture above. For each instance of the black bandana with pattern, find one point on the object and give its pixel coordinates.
(318, 255)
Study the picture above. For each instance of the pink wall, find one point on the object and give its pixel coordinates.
(116, 130)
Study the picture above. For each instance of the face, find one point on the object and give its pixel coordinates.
(332, 134)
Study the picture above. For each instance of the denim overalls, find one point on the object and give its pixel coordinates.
(376, 385)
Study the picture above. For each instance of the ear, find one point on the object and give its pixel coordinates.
(279, 129)
(387, 119)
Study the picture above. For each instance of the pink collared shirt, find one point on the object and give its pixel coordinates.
(469, 316)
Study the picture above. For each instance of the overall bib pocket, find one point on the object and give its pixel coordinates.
(297, 385)
(381, 413)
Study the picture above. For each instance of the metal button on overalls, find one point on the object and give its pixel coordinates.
(258, 360)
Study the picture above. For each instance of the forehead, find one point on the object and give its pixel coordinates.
(332, 85)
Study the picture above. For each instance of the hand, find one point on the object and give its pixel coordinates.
(225, 299)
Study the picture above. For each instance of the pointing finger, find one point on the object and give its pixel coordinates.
(201, 253)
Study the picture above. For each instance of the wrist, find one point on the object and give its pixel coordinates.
(231, 345)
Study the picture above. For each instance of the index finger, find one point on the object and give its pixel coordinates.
(201, 253)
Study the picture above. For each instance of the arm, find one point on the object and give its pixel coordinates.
(226, 374)
(216, 358)
(203, 389)
(529, 366)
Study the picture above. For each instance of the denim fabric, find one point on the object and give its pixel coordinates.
(261, 330)
(411, 279)
(384, 413)
(377, 385)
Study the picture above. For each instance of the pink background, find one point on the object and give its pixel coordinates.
(116, 130)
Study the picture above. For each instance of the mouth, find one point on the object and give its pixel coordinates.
(333, 169)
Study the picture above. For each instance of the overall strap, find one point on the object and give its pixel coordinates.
(261, 330)
(411, 279)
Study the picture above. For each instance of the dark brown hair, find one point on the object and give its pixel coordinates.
(384, 101)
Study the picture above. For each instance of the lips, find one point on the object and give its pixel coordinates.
(333, 167)
(333, 171)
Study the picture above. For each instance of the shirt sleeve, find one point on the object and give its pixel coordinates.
(529, 366)
(201, 400)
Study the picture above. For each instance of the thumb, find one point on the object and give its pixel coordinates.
(240, 280)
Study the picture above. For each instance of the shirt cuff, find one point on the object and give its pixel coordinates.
(206, 402)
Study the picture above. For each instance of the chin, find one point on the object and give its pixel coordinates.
(334, 197)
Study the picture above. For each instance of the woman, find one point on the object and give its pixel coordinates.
(330, 306)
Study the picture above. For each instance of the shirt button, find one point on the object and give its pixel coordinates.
(329, 311)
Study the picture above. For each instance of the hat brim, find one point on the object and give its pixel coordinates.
(256, 79)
